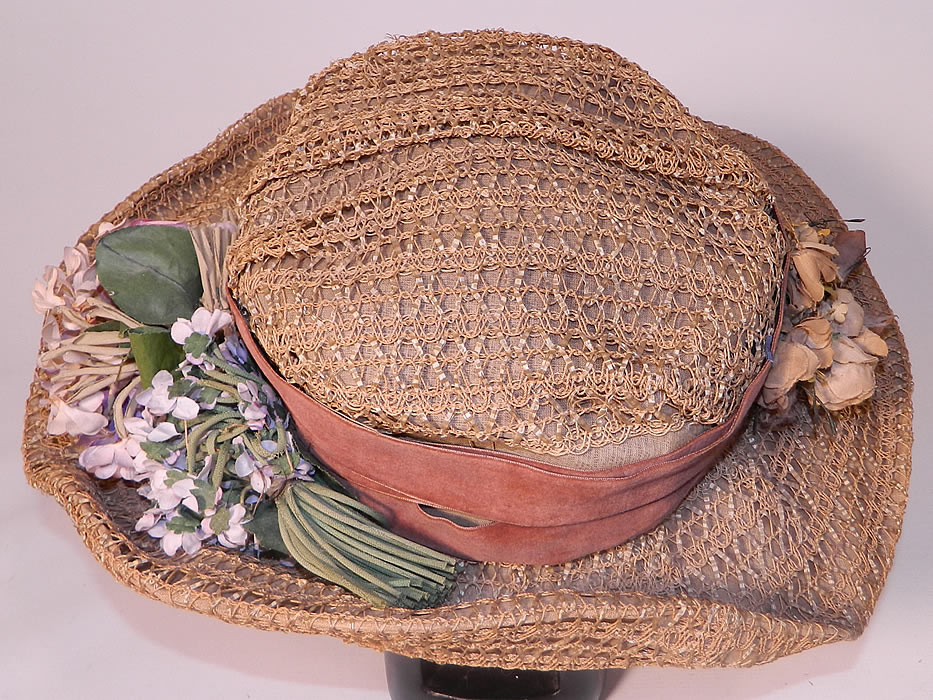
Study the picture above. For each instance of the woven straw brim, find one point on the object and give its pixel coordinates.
(784, 546)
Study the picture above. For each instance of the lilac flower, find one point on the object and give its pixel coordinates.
(157, 399)
(233, 351)
(204, 324)
(250, 407)
(169, 491)
(227, 524)
(172, 540)
(84, 418)
(260, 475)
(112, 459)
(72, 286)
(304, 468)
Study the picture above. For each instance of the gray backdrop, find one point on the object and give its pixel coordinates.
(98, 99)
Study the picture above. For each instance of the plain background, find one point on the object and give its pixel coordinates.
(97, 99)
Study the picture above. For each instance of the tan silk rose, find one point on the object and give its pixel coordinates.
(813, 263)
(793, 363)
(835, 347)
(846, 384)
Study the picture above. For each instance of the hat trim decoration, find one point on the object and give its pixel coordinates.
(779, 540)
(172, 404)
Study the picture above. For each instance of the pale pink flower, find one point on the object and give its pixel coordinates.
(125, 457)
(189, 541)
(145, 466)
(183, 490)
(185, 408)
(260, 475)
(149, 520)
(140, 430)
(235, 535)
(171, 542)
(170, 496)
(245, 464)
(112, 459)
(44, 293)
(160, 492)
(202, 321)
(104, 227)
(250, 407)
(261, 479)
(138, 427)
(51, 333)
(80, 273)
(84, 418)
(159, 403)
(162, 432)
(71, 286)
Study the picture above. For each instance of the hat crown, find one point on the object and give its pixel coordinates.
(512, 241)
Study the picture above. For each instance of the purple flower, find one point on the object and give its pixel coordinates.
(171, 541)
(157, 399)
(84, 418)
(203, 322)
(260, 475)
(227, 524)
(250, 407)
(113, 459)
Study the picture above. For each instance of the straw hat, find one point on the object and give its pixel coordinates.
(783, 545)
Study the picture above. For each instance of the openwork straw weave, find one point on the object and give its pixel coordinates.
(509, 241)
(784, 546)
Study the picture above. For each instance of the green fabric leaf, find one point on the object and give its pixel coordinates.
(196, 344)
(204, 492)
(150, 272)
(265, 527)
(207, 395)
(230, 497)
(181, 387)
(174, 476)
(108, 326)
(157, 451)
(220, 520)
(183, 522)
(154, 350)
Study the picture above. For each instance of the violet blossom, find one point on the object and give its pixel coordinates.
(250, 407)
(157, 399)
(232, 534)
(203, 322)
(83, 418)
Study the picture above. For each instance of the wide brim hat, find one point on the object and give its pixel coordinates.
(783, 546)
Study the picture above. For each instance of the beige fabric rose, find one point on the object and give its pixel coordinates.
(813, 262)
(855, 352)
